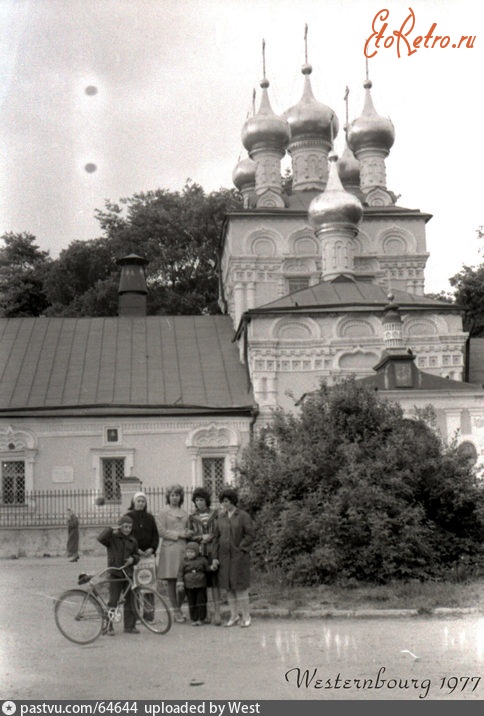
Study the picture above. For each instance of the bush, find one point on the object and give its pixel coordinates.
(350, 489)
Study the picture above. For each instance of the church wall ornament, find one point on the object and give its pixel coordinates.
(16, 440)
(357, 327)
(282, 328)
(262, 233)
(387, 240)
(303, 243)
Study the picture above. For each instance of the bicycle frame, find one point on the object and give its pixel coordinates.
(83, 613)
(113, 614)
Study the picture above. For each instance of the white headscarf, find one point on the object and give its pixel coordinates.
(139, 494)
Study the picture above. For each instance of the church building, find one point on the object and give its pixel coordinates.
(319, 280)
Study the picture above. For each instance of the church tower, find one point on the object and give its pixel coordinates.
(266, 136)
(313, 129)
(371, 137)
(306, 272)
(335, 215)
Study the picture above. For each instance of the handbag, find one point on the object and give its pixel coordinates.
(144, 573)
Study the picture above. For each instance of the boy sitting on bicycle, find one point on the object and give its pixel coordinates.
(122, 550)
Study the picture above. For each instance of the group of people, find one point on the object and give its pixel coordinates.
(205, 550)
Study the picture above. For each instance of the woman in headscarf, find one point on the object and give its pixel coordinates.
(233, 536)
(174, 531)
(145, 530)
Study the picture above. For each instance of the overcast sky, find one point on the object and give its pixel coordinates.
(174, 81)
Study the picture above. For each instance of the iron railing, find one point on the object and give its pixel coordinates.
(45, 508)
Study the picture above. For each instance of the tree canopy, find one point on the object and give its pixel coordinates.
(468, 292)
(468, 287)
(350, 489)
(178, 232)
(23, 268)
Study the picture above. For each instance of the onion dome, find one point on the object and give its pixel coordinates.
(243, 175)
(370, 130)
(349, 168)
(334, 205)
(308, 116)
(265, 127)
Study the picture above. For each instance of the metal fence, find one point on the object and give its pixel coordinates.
(47, 508)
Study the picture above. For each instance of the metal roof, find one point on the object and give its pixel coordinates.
(160, 364)
(426, 382)
(344, 294)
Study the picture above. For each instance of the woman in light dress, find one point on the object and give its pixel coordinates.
(174, 533)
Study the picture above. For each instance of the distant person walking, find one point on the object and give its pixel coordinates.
(233, 536)
(72, 535)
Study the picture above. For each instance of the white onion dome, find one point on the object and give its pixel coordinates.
(265, 127)
(370, 130)
(310, 117)
(244, 173)
(334, 205)
(348, 168)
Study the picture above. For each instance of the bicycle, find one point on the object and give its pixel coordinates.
(82, 615)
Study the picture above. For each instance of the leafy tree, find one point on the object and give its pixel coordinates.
(286, 181)
(23, 267)
(442, 296)
(469, 292)
(84, 280)
(179, 233)
(350, 489)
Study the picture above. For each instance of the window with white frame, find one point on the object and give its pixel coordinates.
(112, 473)
(13, 482)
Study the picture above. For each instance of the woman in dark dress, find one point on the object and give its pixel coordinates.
(145, 530)
(233, 536)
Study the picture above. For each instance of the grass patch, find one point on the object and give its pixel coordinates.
(270, 591)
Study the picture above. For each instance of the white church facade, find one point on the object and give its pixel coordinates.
(305, 279)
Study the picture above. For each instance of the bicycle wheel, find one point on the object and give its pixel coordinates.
(79, 616)
(152, 610)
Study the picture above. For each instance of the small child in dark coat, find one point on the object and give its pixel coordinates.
(122, 550)
(192, 578)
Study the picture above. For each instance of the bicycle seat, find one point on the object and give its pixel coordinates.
(84, 578)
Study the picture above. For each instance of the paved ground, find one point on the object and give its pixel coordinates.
(277, 658)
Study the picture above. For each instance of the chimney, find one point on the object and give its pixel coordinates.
(132, 286)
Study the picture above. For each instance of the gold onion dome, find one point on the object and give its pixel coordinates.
(334, 205)
(370, 130)
(244, 173)
(265, 128)
(348, 167)
(310, 117)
